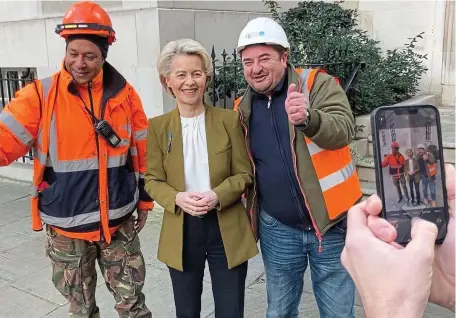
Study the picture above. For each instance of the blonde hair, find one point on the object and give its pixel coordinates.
(178, 47)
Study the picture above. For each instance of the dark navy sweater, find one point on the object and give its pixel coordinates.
(279, 193)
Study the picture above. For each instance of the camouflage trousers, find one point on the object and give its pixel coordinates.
(121, 263)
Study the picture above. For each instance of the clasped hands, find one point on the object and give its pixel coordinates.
(195, 203)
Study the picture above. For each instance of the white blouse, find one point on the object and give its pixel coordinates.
(196, 163)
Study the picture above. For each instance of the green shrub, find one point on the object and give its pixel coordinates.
(321, 32)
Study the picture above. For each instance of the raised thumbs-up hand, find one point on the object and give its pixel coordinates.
(295, 106)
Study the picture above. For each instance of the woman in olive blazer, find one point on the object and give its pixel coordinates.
(197, 170)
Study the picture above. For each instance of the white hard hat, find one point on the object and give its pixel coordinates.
(421, 146)
(262, 31)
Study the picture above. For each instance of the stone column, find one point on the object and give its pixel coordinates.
(448, 61)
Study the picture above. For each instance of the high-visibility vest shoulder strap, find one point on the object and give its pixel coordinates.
(335, 171)
(46, 84)
(236, 103)
(307, 77)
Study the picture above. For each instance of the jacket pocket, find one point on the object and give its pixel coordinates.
(222, 151)
(73, 194)
(223, 159)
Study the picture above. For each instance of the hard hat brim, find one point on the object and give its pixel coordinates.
(65, 30)
(283, 45)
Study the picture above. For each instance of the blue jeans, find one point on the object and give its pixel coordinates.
(286, 252)
(431, 182)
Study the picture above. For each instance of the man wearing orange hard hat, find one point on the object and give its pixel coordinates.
(396, 163)
(87, 128)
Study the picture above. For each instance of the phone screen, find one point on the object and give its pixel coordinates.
(409, 158)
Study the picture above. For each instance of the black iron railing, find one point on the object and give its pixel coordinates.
(228, 80)
(10, 82)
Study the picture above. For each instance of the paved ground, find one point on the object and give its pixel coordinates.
(27, 292)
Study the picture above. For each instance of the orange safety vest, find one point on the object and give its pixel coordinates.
(432, 169)
(336, 173)
(82, 187)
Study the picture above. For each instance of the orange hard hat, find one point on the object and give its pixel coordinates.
(86, 18)
(395, 145)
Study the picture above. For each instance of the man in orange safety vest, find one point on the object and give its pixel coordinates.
(298, 125)
(87, 128)
(396, 162)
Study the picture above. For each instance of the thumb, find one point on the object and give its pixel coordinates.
(450, 185)
(424, 234)
(291, 88)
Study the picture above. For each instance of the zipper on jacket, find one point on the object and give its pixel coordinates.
(317, 231)
(290, 180)
(89, 86)
(254, 171)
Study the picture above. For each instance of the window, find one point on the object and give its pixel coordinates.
(392, 128)
(428, 130)
(13, 79)
(383, 139)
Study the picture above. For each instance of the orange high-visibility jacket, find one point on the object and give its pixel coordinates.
(82, 187)
(336, 173)
(396, 164)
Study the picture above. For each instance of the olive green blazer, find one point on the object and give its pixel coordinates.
(230, 175)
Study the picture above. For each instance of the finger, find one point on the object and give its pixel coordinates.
(423, 236)
(357, 219)
(295, 95)
(298, 101)
(141, 225)
(198, 208)
(290, 110)
(201, 204)
(397, 245)
(195, 195)
(200, 213)
(287, 103)
(187, 208)
(450, 179)
(291, 88)
(345, 259)
(297, 118)
(373, 205)
(201, 201)
(196, 203)
(382, 229)
(296, 109)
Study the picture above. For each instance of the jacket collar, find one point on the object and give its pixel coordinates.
(112, 82)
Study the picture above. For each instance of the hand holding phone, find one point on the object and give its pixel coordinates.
(411, 130)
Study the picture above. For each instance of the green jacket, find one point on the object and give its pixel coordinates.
(331, 127)
(230, 174)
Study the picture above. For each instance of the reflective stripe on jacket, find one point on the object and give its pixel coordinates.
(82, 187)
(335, 170)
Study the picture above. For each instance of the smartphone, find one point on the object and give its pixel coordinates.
(409, 167)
